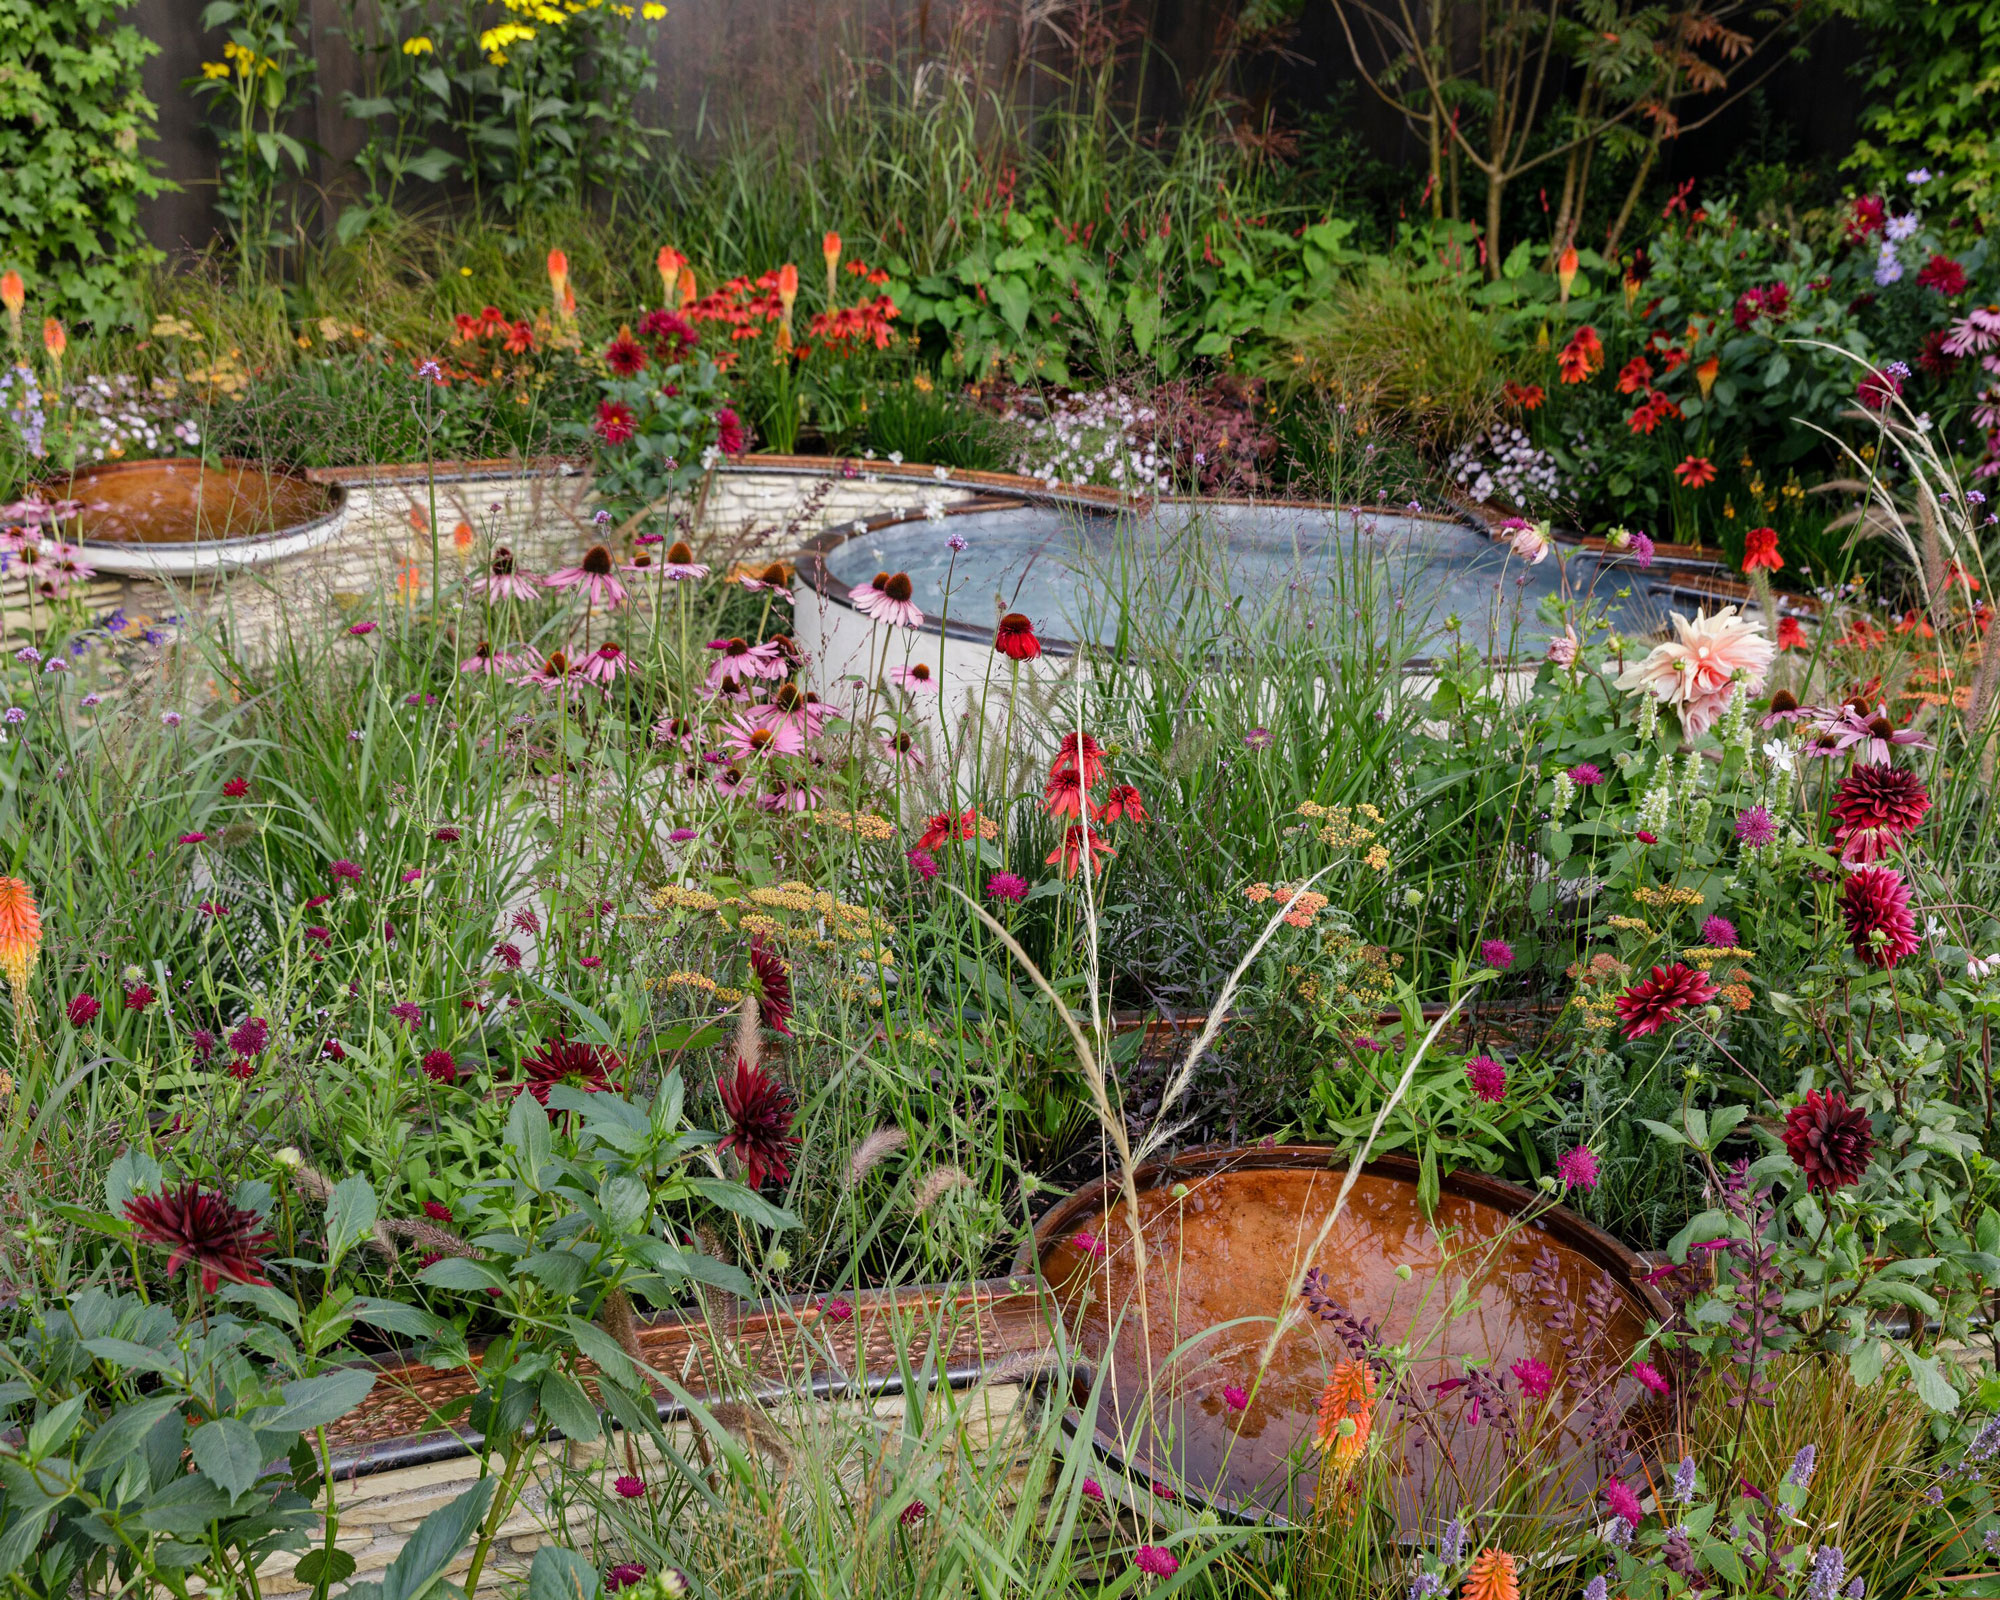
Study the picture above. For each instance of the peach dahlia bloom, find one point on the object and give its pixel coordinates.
(1696, 672)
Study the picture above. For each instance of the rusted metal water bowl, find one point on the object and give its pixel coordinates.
(184, 517)
(1229, 1236)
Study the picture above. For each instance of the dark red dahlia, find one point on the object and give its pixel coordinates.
(624, 357)
(1943, 274)
(774, 986)
(1937, 362)
(730, 438)
(582, 1066)
(1875, 904)
(760, 1123)
(1830, 1140)
(1875, 805)
(670, 333)
(201, 1226)
(1646, 1006)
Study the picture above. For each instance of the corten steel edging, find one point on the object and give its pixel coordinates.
(787, 1350)
(1600, 1249)
(335, 493)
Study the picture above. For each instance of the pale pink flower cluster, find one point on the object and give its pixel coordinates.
(1711, 658)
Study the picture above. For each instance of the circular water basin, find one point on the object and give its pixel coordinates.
(1076, 570)
(1230, 1237)
(178, 517)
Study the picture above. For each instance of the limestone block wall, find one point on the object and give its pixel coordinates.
(379, 1511)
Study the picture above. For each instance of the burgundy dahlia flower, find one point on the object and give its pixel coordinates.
(1645, 1007)
(202, 1226)
(1874, 807)
(1880, 925)
(1830, 1140)
(760, 1118)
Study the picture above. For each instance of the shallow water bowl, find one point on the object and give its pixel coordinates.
(1229, 1235)
(181, 518)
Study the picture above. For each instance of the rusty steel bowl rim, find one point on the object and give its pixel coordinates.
(1564, 1225)
(333, 496)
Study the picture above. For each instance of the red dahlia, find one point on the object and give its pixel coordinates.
(582, 1066)
(615, 422)
(1876, 907)
(1829, 1139)
(760, 1123)
(624, 357)
(203, 1227)
(1875, 805)
(1016, 638)
(774, 986)
(1646, 1006)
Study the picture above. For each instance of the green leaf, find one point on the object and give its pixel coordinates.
(1011, 295)
(226, 1452)
(314, 1402)
(437, 1542)
(48, 1434)
(1142, 310)
(568, 1407)
(562, 1575)
(121, 1435)
(127, 1356)
(744, 1202)
(413, 1322)
(1932, 1387)
(528, 1139)
(350, 1218)
(322, 1568)
(463, 1274)
(605, 1351)
(556, 1270)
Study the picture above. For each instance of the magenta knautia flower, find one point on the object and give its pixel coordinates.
(628, 1487)
(1087, 1243)
(1092, 1489)
(1586, 775)
(1719, 932)
(1533, 1376)
(1754, 828)
(409, 1013)
(1620, 1501)
(1497, 953)
(924, 862)
(1006, 886)
(1577, 1169)
(1651, 1379)
(1236, 1397)
(1155, 1561)
(345, 871)
(1259, 738)
(838, 1309)
(1488, 1078)
(250, 1036)
(192, 838)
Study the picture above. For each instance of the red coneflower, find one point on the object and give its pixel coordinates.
(1791, 634)
(1123, 801)
(1830, 1140)
(201, 1226)
(563, 1060)
(774, 986)
(1760, 550)
(760, 1117)
(1582, 355)
(1647, 1005)
(623, 356)
(1065, 796)
(1874, 807)
(1079, 844)
(1695, 472)
(1015, 638)
(1082, 753)
(1876, 907)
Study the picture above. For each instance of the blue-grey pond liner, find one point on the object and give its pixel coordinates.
(1062, 567)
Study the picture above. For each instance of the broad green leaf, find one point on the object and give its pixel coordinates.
(1932, 1387)
(127, 1427)
(321, 1567)
(562, 1575)
(350, 1218)
(226, 1451)
(568, 1407)
(744, 1202)
(463, 1274)
(314, 1402)
(436, 1543)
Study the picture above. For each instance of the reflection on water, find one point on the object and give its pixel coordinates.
(184, 502)
(1419, 570)
(1226, 1258)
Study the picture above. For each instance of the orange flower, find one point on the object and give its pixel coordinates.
(1760, 549)
(829, 247)
(688, 296)
(670, 263)
(54, 340)
(1636, 374)
(1582, 356)
(461, 536)
(13, 292)
(1493, 1577)
(1528, 396)
(788, 285)
(1705, 374)
(1696, 472)
(20, 931)
(559, 285)
(1349, 1396)
(1566, 271)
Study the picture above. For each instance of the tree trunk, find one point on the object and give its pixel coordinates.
(1631, 197)
(1495, 186)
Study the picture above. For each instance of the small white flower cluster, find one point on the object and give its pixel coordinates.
(1524, 475)
(1105, 438)
(118, 419)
